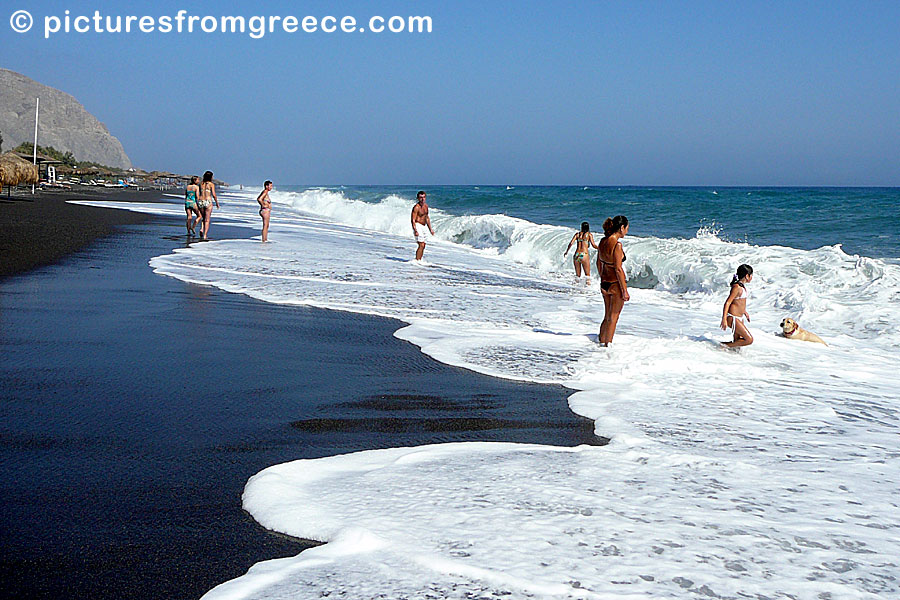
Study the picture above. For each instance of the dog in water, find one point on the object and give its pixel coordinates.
(794, 332)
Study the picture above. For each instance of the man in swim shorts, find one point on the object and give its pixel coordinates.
(420, 220)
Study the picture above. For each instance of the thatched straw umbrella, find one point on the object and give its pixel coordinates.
(7, 173)
(14, 170)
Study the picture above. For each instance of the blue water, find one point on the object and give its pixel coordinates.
(865, 221)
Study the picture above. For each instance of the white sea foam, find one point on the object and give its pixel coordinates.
(766, 473)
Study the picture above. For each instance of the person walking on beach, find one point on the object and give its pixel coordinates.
(610, 257)
(205, 202)
(420, 220)
(582, 258)
(734, 313)
(190, 204)
(265, 208)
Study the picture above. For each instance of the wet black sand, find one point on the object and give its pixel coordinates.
(135, 407)
(38, 230)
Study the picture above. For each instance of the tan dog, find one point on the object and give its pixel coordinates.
(795, 332)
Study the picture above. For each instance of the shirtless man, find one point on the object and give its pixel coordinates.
(420, 220)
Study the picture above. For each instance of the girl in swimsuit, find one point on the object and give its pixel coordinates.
(205, 202)
(190, 204)
(610, 257)
(734, 313)
(584, 239)
(265, 208)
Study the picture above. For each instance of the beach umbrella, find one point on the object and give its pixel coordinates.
(14, 170)
(8, 174)
(27, 172)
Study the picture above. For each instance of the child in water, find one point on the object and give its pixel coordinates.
(734, 313)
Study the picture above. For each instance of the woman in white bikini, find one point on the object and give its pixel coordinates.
(734, 313)
(610, 257)
(265, 208)
(582, 259)
(205, 202)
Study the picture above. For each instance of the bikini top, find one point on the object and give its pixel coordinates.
(623, 256)
(744, 292)
(191, 195)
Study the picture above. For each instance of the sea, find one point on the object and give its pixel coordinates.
(768, 472)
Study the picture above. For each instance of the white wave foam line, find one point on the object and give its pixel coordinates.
(530, 521)
(766, 473)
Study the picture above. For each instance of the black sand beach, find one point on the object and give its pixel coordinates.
(38, 230)
(135, 407)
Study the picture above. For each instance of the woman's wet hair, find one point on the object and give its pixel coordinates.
(207, 176)
(742, 271)
(194, 179)
(613, 224)
(585, 227)
(266, 184)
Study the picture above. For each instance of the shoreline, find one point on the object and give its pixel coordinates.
(125, 468)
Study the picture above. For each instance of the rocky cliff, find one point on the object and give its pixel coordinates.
(64, 123)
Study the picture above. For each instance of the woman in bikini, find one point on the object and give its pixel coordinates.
(584, 239)
(265, 208)
(190, 204)
(610, 257)
(205, 202)
(734, 313)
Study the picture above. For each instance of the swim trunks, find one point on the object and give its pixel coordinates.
(420, 233)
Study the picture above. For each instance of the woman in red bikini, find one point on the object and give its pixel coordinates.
(610, 257)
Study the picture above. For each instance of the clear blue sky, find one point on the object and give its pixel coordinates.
(594, 92)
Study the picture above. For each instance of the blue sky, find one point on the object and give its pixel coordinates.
(600, 93)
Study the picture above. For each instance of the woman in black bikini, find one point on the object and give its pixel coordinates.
(584, 238)
(610, 257)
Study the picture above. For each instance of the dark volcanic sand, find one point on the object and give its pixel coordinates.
(135, 407)
(38, 230)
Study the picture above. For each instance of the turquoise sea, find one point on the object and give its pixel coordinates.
(864, 221)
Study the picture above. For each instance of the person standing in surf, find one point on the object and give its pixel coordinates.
(734, 313)
(190, 204)
(420, 221)
(610, 257)
(265, 208)
(582, 258)
(205, 202)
